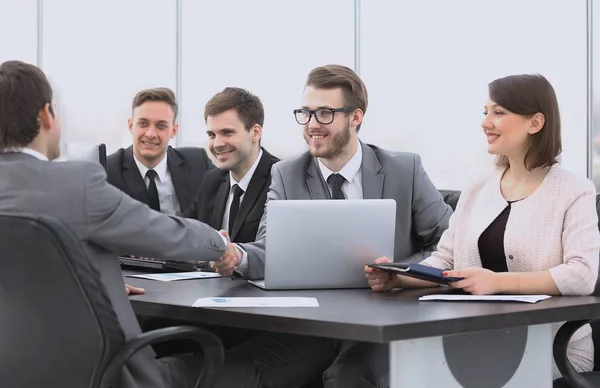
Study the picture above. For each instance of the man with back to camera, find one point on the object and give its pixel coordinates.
(150, 170)
(339, 166)
(232, 197)
(103, 218)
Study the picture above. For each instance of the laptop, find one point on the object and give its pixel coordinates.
(323, 244)
(148, 264)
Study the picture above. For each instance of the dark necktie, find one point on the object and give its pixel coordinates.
(235, 206)
(152, 190)
(336, 181)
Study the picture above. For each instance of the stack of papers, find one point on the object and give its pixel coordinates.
(257, 302)
(169, 277)
(495, 298)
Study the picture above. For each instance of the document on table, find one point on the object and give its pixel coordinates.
(257, 302)
(169, 277)
(488, 298)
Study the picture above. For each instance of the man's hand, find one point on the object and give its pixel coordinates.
(131, 290)
(381, 280)
(477, 281)
(230, 259)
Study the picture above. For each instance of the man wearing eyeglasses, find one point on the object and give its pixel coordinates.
(339, 166)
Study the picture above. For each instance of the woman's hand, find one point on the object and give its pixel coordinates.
(477, 281)
(381, 280)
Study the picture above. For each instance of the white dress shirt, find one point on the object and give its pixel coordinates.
(352, 188)
(167, 197)
(243, 184)
(31, 152)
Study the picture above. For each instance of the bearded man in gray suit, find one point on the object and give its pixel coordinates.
(339, 166)
(103, 218)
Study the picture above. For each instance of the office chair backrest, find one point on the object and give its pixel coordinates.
(451, 197)
(57, 325)
(596, 324)
(86, 151)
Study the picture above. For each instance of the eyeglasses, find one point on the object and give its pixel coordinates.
(322, 115)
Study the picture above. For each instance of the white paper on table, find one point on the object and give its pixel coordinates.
(169, 277)
(257, 302)
(494, 298)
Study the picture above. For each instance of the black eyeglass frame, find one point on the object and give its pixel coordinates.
(313, 112)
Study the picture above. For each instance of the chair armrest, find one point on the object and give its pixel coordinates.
(561, 343)
(214, 354)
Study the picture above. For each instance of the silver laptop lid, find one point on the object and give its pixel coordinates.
(313, 244)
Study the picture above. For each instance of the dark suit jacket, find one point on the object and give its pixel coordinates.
(209, 204)
(421, 214)
(187, 166)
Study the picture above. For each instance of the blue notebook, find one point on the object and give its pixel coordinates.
(417, 271)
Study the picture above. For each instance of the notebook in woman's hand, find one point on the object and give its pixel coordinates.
(418, 271)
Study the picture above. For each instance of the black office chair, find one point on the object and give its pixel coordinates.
(57, 325)
(571, 378)
(102, 155)
(451, 197)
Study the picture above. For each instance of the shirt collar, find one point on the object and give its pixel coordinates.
(31, 152)
(160, 168)
(350, 169)
(245, 181)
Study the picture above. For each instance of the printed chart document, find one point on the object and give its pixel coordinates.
(169, 277)
(488, 298)
(257, 302)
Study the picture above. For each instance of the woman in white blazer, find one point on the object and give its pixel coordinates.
(525, 225)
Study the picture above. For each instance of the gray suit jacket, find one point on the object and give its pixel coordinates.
(421, 213)
(106, 221)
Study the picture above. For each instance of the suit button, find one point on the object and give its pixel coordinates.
(511, 257)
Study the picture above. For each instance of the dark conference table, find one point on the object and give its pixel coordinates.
(453, 344)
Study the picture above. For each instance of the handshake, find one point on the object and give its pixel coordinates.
(232, 257)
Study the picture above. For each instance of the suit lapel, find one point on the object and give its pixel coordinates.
(133, 177)
(315, 182)
(180, 174)
(258, 180)
(372, 177)
(220, 203)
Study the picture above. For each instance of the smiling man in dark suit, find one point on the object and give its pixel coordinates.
(233, 196)
(150, 170)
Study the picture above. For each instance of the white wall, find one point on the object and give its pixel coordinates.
(18, 30)
(595, 148)
(267, 47)
(100, 56)
(426, 65)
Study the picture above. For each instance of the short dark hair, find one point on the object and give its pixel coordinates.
(157, 94)
(24, 92)
(526, 95)
(338, 76)
(248, 106)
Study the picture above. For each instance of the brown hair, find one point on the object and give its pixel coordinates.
(24, 92)
(248, 106)
(526, 95)
(337, 76)
(156, 94)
